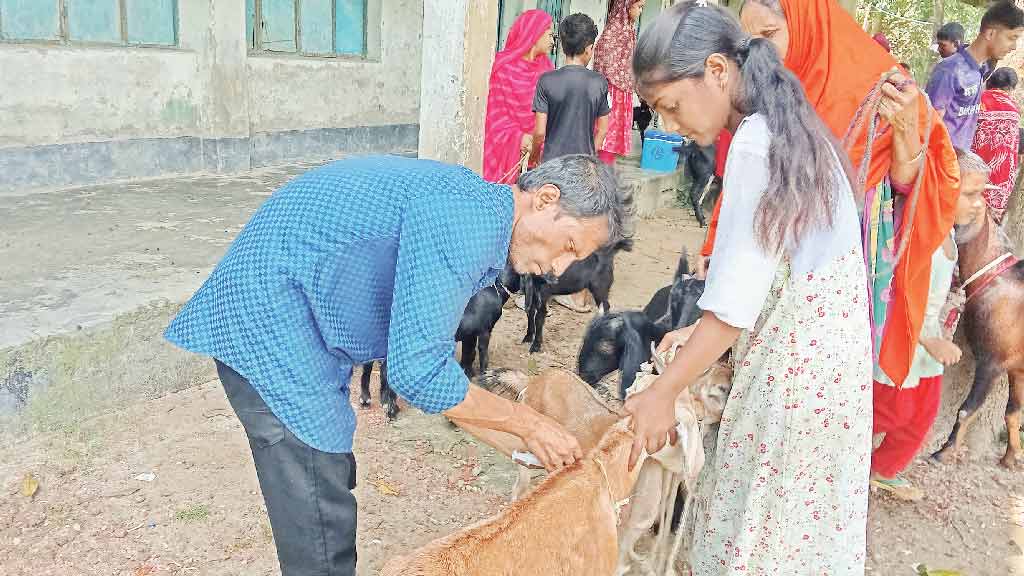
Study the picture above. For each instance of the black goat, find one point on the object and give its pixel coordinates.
(388, 398)
(481, 315)
(595, 273)
(699, 162)
(622, 340)
(474, 332)
(642, 116)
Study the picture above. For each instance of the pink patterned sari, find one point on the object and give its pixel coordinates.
(510, 97)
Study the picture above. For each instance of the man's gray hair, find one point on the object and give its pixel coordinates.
(589, 189)
(971, 163)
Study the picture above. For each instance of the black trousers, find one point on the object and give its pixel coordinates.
(308, 492)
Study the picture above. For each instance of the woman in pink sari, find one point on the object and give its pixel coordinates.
(998, 138)
(613, 57)
(509, 125)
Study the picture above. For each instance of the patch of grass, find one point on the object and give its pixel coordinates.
(76, 377)
(194, 513)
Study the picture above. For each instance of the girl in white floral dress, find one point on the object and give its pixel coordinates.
(786, 491)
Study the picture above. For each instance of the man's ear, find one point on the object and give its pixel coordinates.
(546, 196)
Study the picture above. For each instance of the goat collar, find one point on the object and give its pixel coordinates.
(980, 280)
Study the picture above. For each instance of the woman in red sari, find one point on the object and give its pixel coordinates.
(613, 57)
(508, 127)
(997, 139)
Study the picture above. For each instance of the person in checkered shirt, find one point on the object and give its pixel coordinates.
(372, 258)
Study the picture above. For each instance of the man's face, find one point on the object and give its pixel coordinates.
(546, 240)
(947, 48)
(761, 22)
(1002, 41)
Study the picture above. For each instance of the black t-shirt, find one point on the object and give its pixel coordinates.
(574, 98)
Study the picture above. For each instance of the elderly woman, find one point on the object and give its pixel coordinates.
(508, 127)
(998, 138)
(839, 66)
(786, 492)
(612, 56)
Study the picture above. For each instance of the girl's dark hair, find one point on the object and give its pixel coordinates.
(803, 174)
(1002, 79)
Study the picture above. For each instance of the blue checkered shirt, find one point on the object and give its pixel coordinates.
(360, 259)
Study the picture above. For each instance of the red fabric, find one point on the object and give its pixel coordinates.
(619, 140)
(510, 96)
(606, 157)
(905, 416)
(721, 153)
(613, 53)
(882, 41)
(996, 141)
(838, 65)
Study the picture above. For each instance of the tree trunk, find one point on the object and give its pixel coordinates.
(1013, 220)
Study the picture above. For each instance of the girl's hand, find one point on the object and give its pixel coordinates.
(654, 420)
(900, 97)
(944, 351)
(676, 337)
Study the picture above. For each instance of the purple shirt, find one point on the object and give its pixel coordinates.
(955, 90)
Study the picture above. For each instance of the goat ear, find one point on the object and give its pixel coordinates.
(634, 353)
(683, 269)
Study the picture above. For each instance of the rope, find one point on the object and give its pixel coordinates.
(871, 104)
(521, 166)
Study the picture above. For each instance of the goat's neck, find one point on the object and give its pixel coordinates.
(987, 245)
(614, 464)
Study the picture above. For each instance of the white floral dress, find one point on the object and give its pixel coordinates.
(785, 491)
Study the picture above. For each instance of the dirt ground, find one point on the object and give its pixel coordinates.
(97, 510)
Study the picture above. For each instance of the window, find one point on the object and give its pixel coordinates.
(117, 22)
(308, 27)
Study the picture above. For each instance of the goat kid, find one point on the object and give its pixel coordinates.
(622, 340)
(992, 320)
(595, 273)
(567, 526)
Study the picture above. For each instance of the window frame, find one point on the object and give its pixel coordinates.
(64, 31)
(254, 37)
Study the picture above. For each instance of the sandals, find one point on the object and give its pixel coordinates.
(899, 487)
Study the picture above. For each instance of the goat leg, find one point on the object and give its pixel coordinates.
(468, 355)
(1014, 409)
(388, 398)
(540, 317)
(364, 385)
(987, 370)
(483, 346)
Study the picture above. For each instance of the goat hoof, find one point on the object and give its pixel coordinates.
(392, 411)
(364, 402)
(527, 339)
(535, 348)
(944, 456)
(1009, 462)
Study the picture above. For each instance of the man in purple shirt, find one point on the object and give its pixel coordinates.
(955, 85)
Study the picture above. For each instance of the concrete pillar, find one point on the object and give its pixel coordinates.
(459, 40)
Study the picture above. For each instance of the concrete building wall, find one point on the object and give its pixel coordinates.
(75, 114)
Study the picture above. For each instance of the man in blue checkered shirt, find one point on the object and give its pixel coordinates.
(370, 258)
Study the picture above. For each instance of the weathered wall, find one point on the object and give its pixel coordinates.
(456, 68)
(76, 115)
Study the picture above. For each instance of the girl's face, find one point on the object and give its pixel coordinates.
(698, 108)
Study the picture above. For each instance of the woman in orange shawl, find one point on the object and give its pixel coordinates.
(838, 65)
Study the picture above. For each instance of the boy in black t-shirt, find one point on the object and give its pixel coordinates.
(571, 103)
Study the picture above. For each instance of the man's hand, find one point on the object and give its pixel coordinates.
(900, 97)
(551, 443)
(654, 421)
(944, 351)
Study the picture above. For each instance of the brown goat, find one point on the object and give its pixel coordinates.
(567, 526)
(992, 320)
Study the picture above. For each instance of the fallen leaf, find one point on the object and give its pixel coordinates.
(29, 486)
(386, 488)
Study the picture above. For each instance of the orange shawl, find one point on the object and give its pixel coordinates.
(838, 64)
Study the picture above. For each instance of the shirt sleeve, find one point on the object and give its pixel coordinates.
(540, 98)
(604, 108)
(433, 283)
(941, 88)
(741, 274)
(938, 292)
